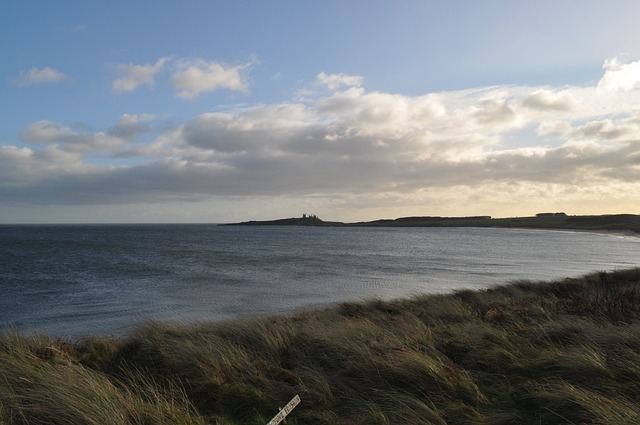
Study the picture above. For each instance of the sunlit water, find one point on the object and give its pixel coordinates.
(81, 280)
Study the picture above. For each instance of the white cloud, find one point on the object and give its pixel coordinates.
(620, 76)
(194, 77)
(48, 131)
(39, 76)
(491, 146)
(129, 126)
(609, 129)
(132, 76)
(12, 154)
(335, 81)
(30, 168)
(547, 128)
(114, 141)
(549, 100)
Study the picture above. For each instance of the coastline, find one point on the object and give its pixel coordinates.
(616, 223)
(331, 265)
(524, 352)
(622, 224)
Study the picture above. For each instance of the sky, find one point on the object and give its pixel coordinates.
(223, 111)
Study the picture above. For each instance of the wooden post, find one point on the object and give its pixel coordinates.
(285, 411)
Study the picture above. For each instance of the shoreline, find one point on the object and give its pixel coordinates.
(552, 221)
(417, 275)
(523, 352)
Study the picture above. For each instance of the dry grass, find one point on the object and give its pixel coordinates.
(565, 352)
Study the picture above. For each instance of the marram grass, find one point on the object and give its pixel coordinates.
(563, 352)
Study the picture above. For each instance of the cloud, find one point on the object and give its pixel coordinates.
(130, 126)
(620, 76)
(194, 77)
(39, 76)
(48, 131)
(485, 144)
(335, 81)
(33, 168)
(557, 128)
(131, 77)
(495, 112)
(190, 78)
(609, 129)
(548, 100)
(69, 139)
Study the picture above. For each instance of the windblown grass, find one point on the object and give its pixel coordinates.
(564, 352)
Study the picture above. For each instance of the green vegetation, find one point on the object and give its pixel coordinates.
(564, 352)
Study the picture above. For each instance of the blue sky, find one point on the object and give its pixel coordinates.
(211, 111)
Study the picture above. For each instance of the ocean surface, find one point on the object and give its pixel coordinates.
(74, 281)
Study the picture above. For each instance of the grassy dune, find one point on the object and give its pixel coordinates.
(564, 352)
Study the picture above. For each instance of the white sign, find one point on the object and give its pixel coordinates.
(285, 411)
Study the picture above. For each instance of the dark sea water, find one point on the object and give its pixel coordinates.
(81, 280)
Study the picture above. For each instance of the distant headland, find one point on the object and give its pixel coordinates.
(305, 220)
(558, 221)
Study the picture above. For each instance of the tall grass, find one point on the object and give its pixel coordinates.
(564, 352)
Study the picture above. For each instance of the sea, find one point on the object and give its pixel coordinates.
(74, 281)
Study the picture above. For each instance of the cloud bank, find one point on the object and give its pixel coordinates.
(484, 149)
